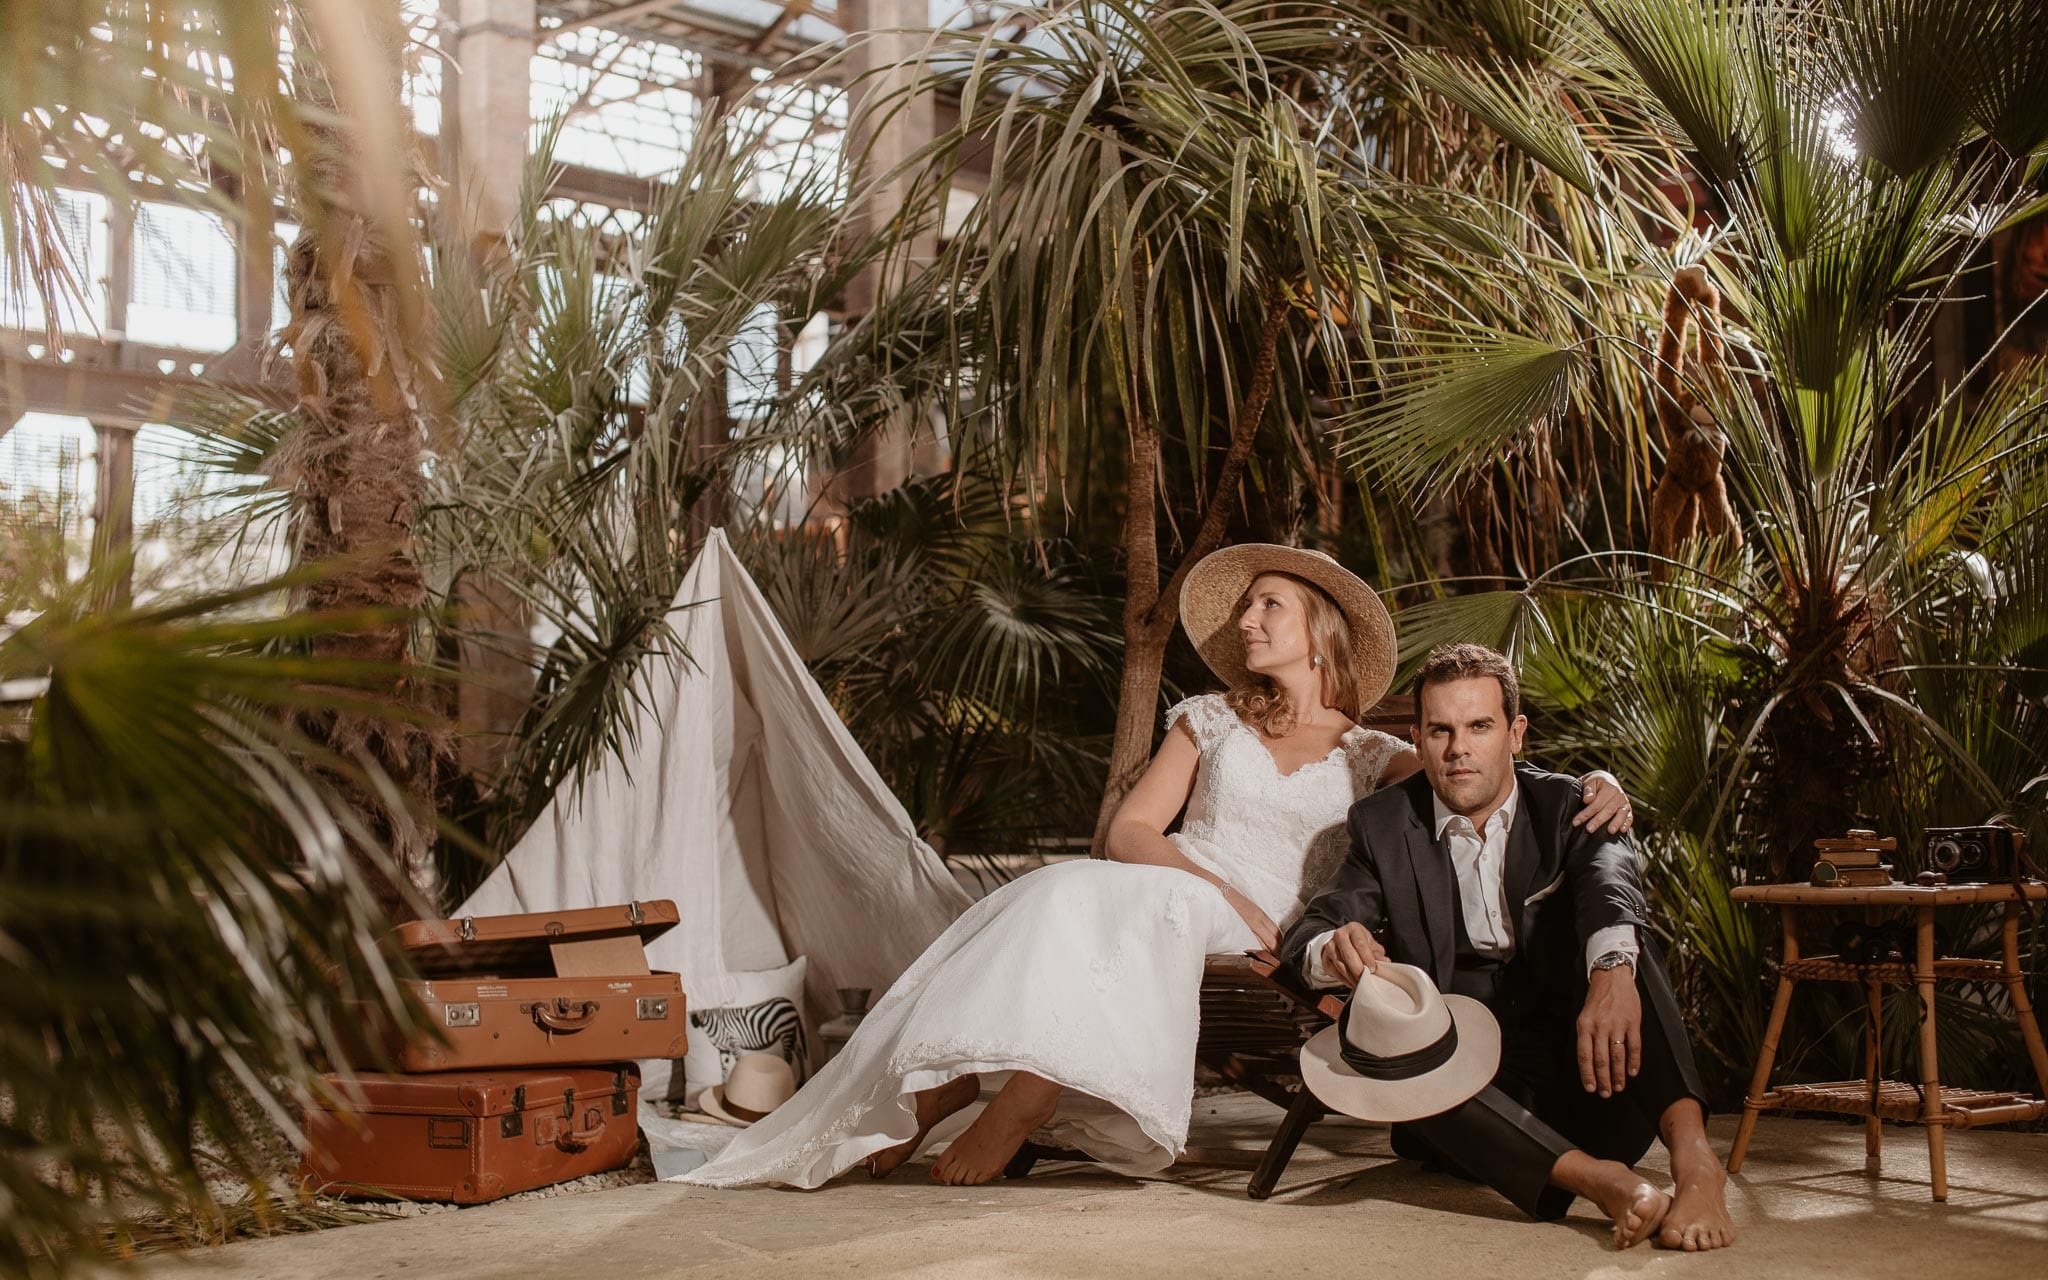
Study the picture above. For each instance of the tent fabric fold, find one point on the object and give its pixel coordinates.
(739, 794)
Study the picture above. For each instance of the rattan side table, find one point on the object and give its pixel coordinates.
(1929, 1103)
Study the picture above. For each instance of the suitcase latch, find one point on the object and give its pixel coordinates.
(633, 913)
(651, 1008)
(468, 1014)
(618, 1093)
(465, 928)
(511, 1125)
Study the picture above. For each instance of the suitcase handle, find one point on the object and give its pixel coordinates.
(582, 1138)
(564, 1016)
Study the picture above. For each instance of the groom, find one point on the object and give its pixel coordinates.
(1473, 872)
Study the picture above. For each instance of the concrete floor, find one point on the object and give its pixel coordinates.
(1804, 1203)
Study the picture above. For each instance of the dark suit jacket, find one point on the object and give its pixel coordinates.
(1563, 882)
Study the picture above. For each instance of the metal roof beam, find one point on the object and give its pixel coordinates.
(632, 9)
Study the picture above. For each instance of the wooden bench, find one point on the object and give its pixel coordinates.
(1255, 1018)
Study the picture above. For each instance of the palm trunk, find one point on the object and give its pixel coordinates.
(1150, 610)
(355, 463)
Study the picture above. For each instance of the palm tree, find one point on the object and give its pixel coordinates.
(1162, 268)
(1870, 654)
(355, 463)
(192, 805)
(576, 369)
(200, 105)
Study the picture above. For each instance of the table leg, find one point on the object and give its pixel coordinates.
(1930, 1072)
(2016, 989)
(1873, 1126)
(1752, 1102)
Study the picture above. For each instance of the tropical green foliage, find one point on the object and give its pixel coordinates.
(1155, 284)
(968, 660)
(1872, 654)
(185, 938)
(581, 448)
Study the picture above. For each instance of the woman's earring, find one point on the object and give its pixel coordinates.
(1315, 660)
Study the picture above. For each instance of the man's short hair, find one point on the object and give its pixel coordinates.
(1448, 662)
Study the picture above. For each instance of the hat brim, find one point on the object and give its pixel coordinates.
(1210, 595)
(712, 1103)
(1470, 1069)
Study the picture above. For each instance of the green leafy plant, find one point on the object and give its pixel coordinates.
(187, 938)
(1870, 655)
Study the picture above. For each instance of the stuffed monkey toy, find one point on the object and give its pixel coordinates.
(1690, 498)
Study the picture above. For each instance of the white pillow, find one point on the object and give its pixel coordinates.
(759, 1013)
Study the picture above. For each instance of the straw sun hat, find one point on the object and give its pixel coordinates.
(1402, 1050)
(757, 1084)
(1214, 590)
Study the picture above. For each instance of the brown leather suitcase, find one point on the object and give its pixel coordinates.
(545, 989)
(471, 1136)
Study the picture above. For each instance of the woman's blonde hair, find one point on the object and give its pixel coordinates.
(1264, 705)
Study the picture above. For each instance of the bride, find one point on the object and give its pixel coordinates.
(1070, 994)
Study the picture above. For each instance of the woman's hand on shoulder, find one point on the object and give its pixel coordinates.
(1606, 804)
(1402, 765)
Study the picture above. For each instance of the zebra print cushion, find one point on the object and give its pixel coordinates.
(772, 1026)
(750, 1012)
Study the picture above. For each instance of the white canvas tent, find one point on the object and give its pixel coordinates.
(742, 797)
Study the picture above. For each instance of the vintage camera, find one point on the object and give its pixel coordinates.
(1975, 855)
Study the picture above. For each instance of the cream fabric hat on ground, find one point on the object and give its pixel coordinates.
(1403, 1050)
(1210, 595)
(757, 1084)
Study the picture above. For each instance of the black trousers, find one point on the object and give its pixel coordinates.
(1512, 1134)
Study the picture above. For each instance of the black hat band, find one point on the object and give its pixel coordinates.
(1399, 1066)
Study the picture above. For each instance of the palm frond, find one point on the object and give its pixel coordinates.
(1897, 76)
(187, 937)
(1454, 400)
(1521, 105)
(1686, 55)
(2004, 62)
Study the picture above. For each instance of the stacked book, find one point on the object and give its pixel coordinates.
(1854, 861)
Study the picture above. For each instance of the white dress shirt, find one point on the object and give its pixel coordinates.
(1479, 860)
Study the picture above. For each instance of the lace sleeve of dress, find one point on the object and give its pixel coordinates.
(1208, 717)
(1369, 752)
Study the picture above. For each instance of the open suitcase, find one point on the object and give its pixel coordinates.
(472, 1136)
(551, 988)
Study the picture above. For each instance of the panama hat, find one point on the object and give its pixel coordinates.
(1213, 589)
(757, 1084)
(1402, 1050)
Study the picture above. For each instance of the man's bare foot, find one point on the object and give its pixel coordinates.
(1699, 1211)
(979, 1155)
(1635, 1207)
(932, 1105)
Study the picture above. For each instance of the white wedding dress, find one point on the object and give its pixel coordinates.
(1086, 973)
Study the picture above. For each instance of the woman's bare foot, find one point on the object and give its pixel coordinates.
(979, 1155)
(1699, 1210)
(1634, 1206)
(932, 1105)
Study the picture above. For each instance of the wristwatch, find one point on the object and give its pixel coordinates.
(1614, 960)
